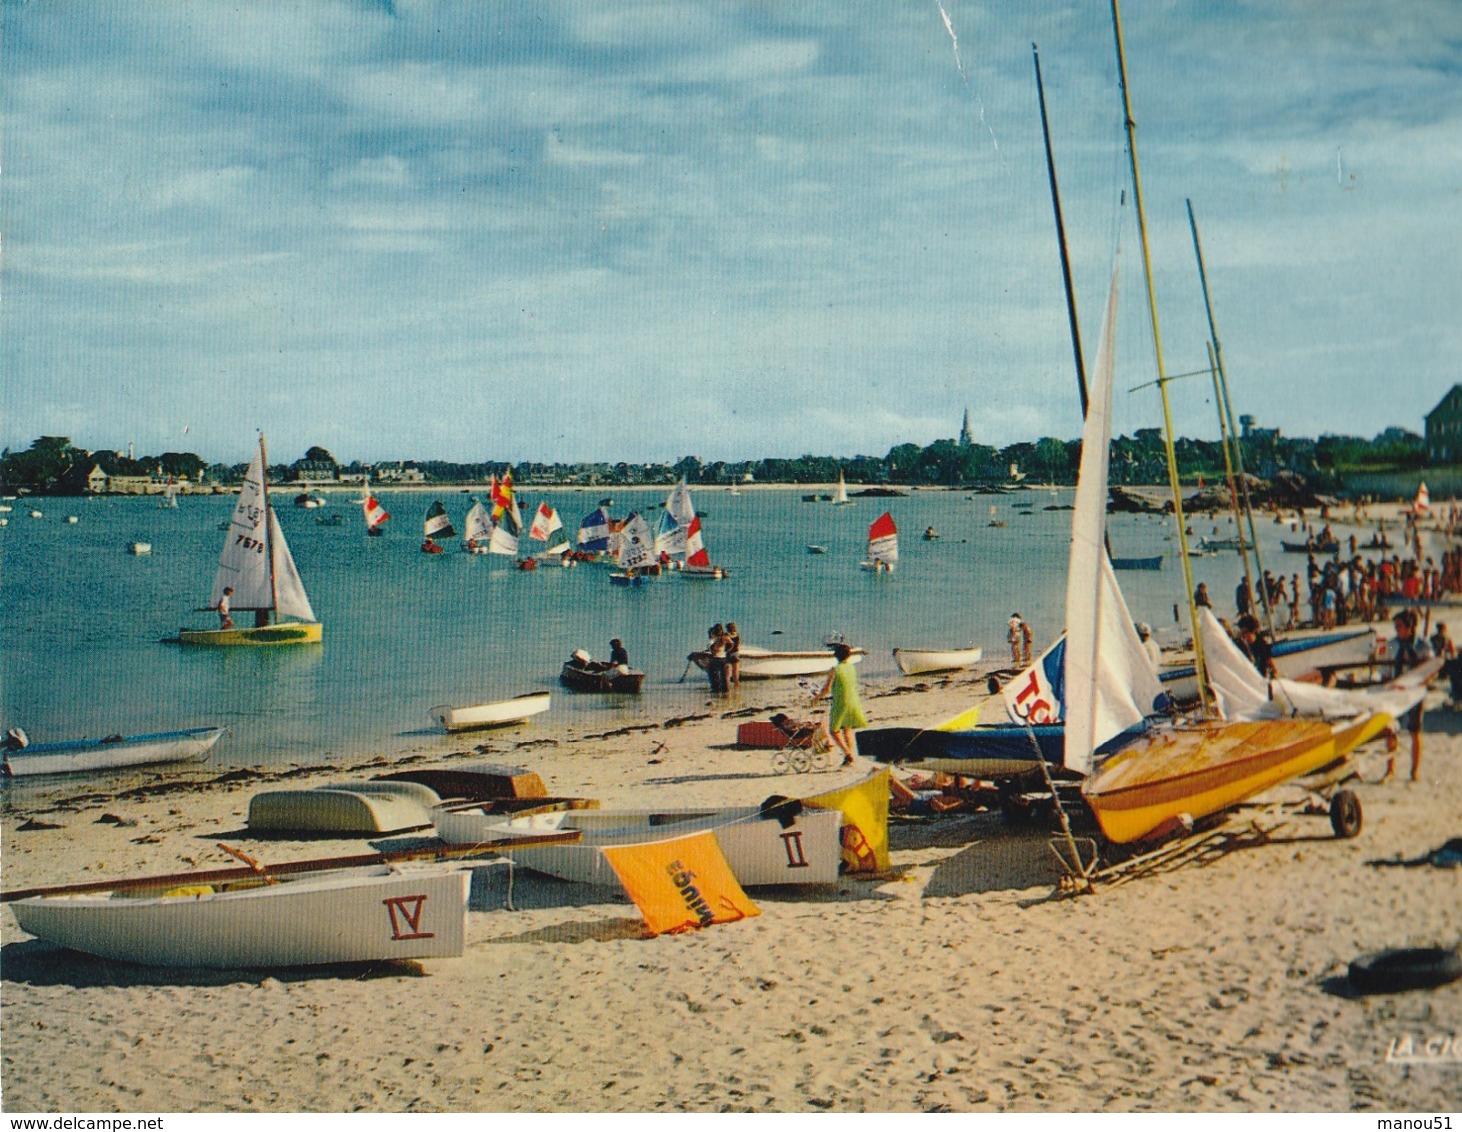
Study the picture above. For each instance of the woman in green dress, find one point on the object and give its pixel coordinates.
(845, 714)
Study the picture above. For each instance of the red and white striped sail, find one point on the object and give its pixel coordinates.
(883, 540)
(695, 547)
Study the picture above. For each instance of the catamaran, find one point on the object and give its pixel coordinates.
(883, 545)
(256, 566)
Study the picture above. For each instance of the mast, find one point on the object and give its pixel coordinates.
(1061, 237)
(1226, 412)
(1162, 379)
(1228, 471)
(268, 541)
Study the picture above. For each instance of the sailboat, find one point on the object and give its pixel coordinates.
(840, 494)
(1173, 776)
(375, 515)
(678, 537)
(883, 545)
(256, 565)
(437, 525)
(169, 499)
(593, 535)
(548, 528)
(476, 529)
(636, 552)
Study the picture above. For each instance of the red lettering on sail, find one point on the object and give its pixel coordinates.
(1030, 702)
(406, 911)
(792, 842)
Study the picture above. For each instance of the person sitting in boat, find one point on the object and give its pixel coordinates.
(1256, 646)
(16, 739)
(225, 621)
(930, 534)
(618, 655)
(429, 546)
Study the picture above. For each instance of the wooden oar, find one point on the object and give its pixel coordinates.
(287, 868)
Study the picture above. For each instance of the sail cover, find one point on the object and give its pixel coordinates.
(437, 524)
(883, 539)
(1110, 682)
(635, 544)
(594, 531)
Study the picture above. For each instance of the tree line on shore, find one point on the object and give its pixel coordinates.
(54, 465)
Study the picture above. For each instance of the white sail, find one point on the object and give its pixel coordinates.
(478, 525)
(635, 543)
(289, 591)
(841, 494)
(243, 564)
(505, 535)
(670, 533)
(1110, 682)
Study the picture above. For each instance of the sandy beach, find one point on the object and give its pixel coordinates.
(958, 981)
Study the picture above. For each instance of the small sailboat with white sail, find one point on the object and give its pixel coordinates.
(476, 529)
(840, 493)
(258, 571)
(679, 539)
(883, 545)
(169, 500)
(548, 529)
(636, 552)
(436, 526)
(375, 515)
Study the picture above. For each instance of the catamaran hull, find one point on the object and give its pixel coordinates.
(285, 633)
(98, 754)
(348, 916)
(996, 751)
(913, 662)
(1201, 771)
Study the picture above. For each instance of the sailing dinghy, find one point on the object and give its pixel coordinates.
(883, 545)
(840, 493)
(257, 565)
(375, 515)
(548, 528)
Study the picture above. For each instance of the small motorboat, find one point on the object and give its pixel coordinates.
(580, 674)
(497, 713)
(139, 548)
(814, 548)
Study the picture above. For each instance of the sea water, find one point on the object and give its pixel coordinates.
(83, 621)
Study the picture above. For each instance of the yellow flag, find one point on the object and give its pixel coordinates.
(680, 884)
(865, 822)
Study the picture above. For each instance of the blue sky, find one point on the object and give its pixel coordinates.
(622, 230)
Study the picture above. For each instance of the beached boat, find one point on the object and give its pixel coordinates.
(584, 675)
(766, 664)
(913, 662)
(256, 565)
(349, 809)
(883, 545)
(1153, 562)
(363, 914)
(109, 753)
(1300, 654)
(793, 846)
(495, 713)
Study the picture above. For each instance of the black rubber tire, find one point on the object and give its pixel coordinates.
(1403, 969)
(1346, 816)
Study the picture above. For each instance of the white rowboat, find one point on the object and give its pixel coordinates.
(913, 662)
(495, 714)
(107, 754)
(353, 915)
(764, 664)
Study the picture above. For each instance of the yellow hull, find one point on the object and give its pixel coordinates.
(284, 633)
(1202, 770)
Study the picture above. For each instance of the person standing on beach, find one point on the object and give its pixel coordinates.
(1406, 649)
(716, 657)
(845, 714)
(225, 621)
(733, 655)
(1017, 637)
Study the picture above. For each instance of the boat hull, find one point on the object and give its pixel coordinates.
(601, 680)
(500, 713)
(913, 662)
(759, 851)
(762, 664)
(1151, 563)
(351, 810)
(349, 916)
(98, 754)
(284, 633)
(1200, 771)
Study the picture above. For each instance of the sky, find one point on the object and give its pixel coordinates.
(640, 230)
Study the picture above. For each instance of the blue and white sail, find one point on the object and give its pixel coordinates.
(674, 524)
(594, 531)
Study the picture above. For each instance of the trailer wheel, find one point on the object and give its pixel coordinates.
(1345, 814)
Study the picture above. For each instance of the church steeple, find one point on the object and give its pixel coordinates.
(966, 437)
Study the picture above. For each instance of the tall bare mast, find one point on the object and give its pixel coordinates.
(1162, 379)
(268, 540)
(1226, 413)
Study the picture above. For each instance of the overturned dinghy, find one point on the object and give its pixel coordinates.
(354, 809)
